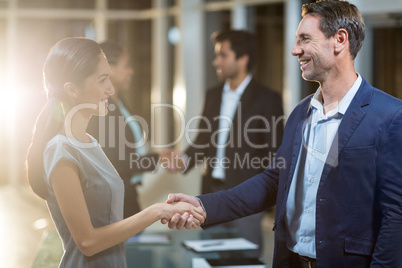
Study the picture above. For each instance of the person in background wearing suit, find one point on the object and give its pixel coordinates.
(339, 196)
(119, 134)
(244, 123)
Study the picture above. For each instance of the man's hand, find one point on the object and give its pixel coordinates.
(179, 221)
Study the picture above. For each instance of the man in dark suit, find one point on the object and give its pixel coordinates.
(241, 126)
(339, 196)
(120, 134)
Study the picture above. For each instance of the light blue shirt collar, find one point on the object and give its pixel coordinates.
(316, 101)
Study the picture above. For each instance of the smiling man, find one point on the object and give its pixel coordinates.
(339, 198)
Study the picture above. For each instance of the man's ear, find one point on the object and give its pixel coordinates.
(341, 41)
(243, 60)
(71, 89)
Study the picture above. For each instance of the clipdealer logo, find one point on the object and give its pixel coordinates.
(242, 133)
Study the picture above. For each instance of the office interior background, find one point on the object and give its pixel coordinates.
(171, 53)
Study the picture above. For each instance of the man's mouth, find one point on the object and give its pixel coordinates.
(303, 63)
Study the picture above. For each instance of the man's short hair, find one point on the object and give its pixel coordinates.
(338, 14)
(241, 42)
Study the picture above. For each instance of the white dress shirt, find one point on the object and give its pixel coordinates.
(230, 101)
(323, 129)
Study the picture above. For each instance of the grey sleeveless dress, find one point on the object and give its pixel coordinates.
(104, 194)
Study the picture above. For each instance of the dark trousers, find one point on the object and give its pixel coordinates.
(297, 261)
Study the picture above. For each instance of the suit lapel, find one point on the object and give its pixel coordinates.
(350, 121)
(215, 102)
(247, 100)
(298, 139)
(214, 110)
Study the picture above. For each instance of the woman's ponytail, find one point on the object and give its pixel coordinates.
(49, 123)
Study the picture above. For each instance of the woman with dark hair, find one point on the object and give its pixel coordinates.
(68, 168)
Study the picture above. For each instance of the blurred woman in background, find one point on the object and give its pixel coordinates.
(124, 144)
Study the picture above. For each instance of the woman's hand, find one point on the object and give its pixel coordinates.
(192, 217)
(184, 220)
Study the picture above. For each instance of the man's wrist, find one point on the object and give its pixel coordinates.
(202, 205)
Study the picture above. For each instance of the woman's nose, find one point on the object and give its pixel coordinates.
(111, 88)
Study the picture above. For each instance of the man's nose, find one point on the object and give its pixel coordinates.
(297, 50)
(215, 62)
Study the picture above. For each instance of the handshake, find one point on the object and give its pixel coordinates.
(193, 214)
(187, 212)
